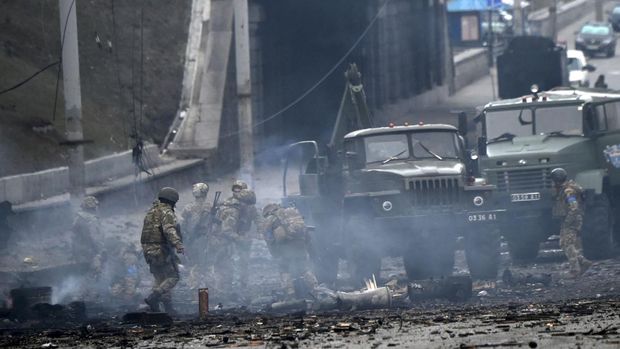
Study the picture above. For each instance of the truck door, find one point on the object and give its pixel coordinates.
(608, 138)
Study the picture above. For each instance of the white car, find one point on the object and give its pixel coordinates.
(578, 68)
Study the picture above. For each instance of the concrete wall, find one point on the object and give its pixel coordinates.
(540, 23)
(469, 66)
(35, 186)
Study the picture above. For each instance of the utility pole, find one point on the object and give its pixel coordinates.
(73, 97)
(553, 17)
(244, 90)
(598, 8)
(517, 18)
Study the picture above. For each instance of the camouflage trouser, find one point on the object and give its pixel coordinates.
(294, 266)
(242, 250)
(570, 242)
(220, 265)
(164, 268)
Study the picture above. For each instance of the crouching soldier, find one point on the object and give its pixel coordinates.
(160, 235)
(287, 238)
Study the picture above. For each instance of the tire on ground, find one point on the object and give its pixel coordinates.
(482, 254)
(597, 231)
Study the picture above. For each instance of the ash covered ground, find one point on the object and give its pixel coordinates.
(566, 312)
(583, 312)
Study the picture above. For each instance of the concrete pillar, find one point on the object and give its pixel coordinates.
(73, 97)
(517, 18)
(598, 9)
(244, 90)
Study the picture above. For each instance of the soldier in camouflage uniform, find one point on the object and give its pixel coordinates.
(160, 234)
(126, 276)
(85, 230)
(569, 208)
(287, 238)
(195, 218)
(243, 239)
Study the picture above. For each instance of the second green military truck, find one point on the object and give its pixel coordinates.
(523, 139)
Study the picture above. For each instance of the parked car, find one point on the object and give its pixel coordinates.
(614, 18)
(578, 68)
(596, 37)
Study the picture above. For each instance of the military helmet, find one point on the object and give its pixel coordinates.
(200, 190)
(270, 208)
(90, 203)
(239, 184)
(169, 194)
(558, 175)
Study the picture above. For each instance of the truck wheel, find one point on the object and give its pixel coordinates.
(326, 267)
(363, 261)
(364, 264)
(523, 249)
(482, 253)
(597, 232)
(426, 260)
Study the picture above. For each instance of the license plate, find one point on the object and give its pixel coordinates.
(524, 197)
(592, 47)
(482, 217)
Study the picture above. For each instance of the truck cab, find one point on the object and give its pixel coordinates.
(524, 139)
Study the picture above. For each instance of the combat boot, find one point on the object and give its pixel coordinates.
(585, 265)
(153, 302)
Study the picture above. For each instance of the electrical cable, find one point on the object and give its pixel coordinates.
(322, 79)
(29, 78)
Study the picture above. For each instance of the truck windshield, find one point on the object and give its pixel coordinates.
(566, 120)
(435, 144)
(384, 147)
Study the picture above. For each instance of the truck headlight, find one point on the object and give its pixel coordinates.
(478, 200)
(387, 206)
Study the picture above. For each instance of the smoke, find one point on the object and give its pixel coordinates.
(68, 290)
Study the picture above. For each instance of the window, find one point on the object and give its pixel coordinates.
(516, 121)
(595, 30)
(574, 64)
(612, 114)
(567, 119)
(429, 144)
(383, 147)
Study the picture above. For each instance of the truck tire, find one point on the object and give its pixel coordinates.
(326, 266)
(523, 249)
(482, 254)
(597, 231)
(426, 260)
(363, 261)
(364, 264)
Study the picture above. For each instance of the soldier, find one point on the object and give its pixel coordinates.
(160, 234)
(569, 208)
(195, 220)
(242, 239)
(85, 229)
(126, 276)
(287, 238)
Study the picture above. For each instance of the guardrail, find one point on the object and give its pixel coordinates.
(28, 187)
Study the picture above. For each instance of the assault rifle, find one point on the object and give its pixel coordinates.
(211, 218)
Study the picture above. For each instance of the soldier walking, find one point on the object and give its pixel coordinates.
(569, 208)
(195, 219)
(288, 241)
(160, 234)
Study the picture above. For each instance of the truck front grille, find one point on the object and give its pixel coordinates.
(434, 191)
(524, 180)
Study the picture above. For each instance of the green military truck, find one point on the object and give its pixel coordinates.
(523, 139)
(391, 191)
